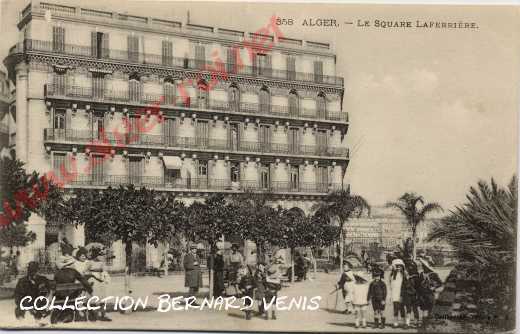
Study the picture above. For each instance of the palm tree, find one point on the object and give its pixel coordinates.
(341, 205)
(414, 209)
(483, 232)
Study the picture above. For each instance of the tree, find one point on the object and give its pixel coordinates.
(483, 232)
(414, 209)
(341, 205)
(127, 213)
(16, 235)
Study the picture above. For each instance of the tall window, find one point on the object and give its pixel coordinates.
(133, 132)
(293, 140)
(169, 91)
(291, 68)
(263, 64)
(133, 48)
(294, 180)
(202, 134)
(169, 132)
(265, 180)
(97, 169)
(98, 124)
(321, 141)
(135, 170)
(318, 71)
(98, 85)
(235, 172)
(322, 179)
(167, 53)
(264, 138)
(234, 98)
(202, 95)
(321, 106)
(234, 137)
(265, 100)
(60, 123)
(172, 175)
(60, 82)
(134, 88)
(99, 45)
(293, 103)
(200, 56)
(58, 161)
(58, 39)
(232, 55)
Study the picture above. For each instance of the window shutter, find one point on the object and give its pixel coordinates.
(167, 53)
(253, 63)
(105, 52)
(133, 48)
(58, 39)
(318, 71)
(240, 135)
(231, 56)
(291, 68)
(200, 56)
(93, 44)
(268, 65)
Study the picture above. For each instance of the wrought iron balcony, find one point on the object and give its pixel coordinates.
(33, 45)
(202, 184)
(89, 137)
(137, 97)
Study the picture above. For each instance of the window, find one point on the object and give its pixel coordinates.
(133, 48)
(263, 64)
(321, 141)
(169, 132)
(58, 39)
(135, 170)
(97, 169)
(200, 56)
(99, 45)
(294, 179)
(264, 138)
(322, 178)
(234, 98)
(265, 100)
(134, 88)
(59, 119)
(318, 71)
(264, 178)
(60, 82)
(321, 106)
(172, 175)
(98, 85)
(98, 123)
(203, 168)
(291, 68)
(59, 161)
(293, 103)
(133, 131)
(293, 138)
(235, 172)
(232, 56)
(202, 134)
(167, 53)
(234, 138)
(202, 95)
(169, 91)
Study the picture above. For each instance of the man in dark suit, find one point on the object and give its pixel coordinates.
(193, 276)
(32, 285)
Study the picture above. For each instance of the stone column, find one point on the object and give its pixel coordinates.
(21, 111)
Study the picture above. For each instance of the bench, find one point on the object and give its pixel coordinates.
(64, 287)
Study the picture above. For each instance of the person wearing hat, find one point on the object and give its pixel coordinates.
(193, 276)
(236, 261)
(377, 296)
(360, 298)
(66, 260)
(429, 282)
(82, 265)
(396, 282)
(346, 284)
(272, 285)
(247, 287)
(32, 285)
(218, 270)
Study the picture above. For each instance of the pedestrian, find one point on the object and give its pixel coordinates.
(193, 276)
(236, 261)
(82, 265)
(100, 280)
(377, 296)
(272, 285)
(218, 273)
(396, 282)
(259, 278)
(247, 287)
(408, 300)
(346, 284)
(429, 282)
(66, 260)
(34, 286)
(360, 298)
(299, 266)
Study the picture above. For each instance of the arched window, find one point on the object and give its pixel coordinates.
(293, 103)
(234, 98)
(264, 98)
(134, 88)
(169, 91)
(321, 107)
(202, 94)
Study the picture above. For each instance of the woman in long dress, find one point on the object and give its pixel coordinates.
(346, 284)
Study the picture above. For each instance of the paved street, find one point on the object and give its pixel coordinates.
(326, 318)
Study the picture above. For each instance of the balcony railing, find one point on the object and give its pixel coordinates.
(202, 184)
(187, 63)
(129, 138)
(126, 96)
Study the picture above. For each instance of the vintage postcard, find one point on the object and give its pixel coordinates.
(228, 166)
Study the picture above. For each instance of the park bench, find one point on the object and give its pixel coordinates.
(65, 289)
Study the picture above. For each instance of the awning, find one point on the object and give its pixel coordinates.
(172, 162)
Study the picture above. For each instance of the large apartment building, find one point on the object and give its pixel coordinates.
(133, 99)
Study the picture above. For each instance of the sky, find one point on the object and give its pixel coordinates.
(431, 110)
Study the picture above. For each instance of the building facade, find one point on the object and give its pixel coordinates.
(175, 106)
(7, 116)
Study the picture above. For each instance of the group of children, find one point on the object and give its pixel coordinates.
(261, 283)
(409, 291)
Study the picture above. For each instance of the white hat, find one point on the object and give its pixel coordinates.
(397, 262)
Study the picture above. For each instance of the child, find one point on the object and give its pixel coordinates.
(346, 284)
(408, 300)
(396, 281)
(377, 295)
(247, 286)
(360, 298)
(259, 279)
(100, 280)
